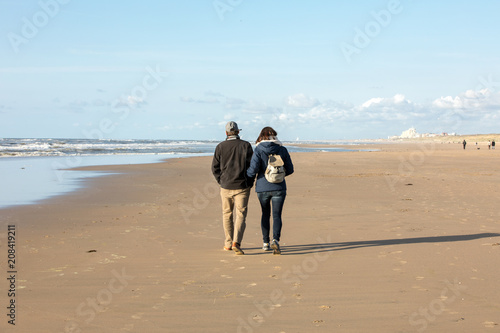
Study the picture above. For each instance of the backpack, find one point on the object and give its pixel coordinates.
(275, 171)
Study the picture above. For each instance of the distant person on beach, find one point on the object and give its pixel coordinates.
(231, 160)
(464, 143)
(493, 144)
(489, 144)
(271, 194)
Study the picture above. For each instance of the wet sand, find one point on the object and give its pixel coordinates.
(403, 239)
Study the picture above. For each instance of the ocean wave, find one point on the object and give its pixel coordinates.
(82, 147)
(30, 147)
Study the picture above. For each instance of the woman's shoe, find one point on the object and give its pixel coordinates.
(266, 247)
(276, 247)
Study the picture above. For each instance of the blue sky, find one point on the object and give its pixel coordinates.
(310, 69)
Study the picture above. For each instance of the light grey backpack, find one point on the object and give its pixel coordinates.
(275, 171)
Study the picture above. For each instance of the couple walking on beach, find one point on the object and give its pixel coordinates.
(235, 166)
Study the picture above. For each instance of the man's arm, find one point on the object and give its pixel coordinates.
(216, 171)
(249, 160)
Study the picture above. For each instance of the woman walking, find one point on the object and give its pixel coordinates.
(272, 192)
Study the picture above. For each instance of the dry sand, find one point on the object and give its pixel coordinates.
(405, 239)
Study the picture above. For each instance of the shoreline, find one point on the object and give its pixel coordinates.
(32, 179)
(382, 233)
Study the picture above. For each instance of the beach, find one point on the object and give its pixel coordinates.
(400, 237)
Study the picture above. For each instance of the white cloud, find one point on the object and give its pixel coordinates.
(471, 100)
(283, 117)
(375, 117)
(301, 101)
(372, 101)
(135, 101)
(397, 101)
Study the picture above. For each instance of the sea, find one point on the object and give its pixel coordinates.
(33, 169)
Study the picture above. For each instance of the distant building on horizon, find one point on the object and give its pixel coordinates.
(412, 133)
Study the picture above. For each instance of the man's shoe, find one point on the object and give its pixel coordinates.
(266, 247)
(237, 249)
(276, 247)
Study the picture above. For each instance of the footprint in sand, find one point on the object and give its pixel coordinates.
(116, 256)
(325, 307)
(166, 296)
(226, 276)
(138, 315)
(159, 306)
(128, 327)
(490, 324)
(105, 261)
(240, 268)
(252, 285)
(258, 318)
(418, 288)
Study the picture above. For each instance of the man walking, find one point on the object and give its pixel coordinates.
(231, 160)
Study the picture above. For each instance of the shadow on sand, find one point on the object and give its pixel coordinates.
(329, 247)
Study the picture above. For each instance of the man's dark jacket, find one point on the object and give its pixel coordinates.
(230, 163)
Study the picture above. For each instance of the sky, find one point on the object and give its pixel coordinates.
(313, 70)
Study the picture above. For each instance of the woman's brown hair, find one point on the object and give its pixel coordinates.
(266, 134)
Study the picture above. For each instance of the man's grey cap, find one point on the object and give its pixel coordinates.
(232, 127)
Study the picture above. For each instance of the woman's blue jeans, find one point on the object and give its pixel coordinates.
(271, 201)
